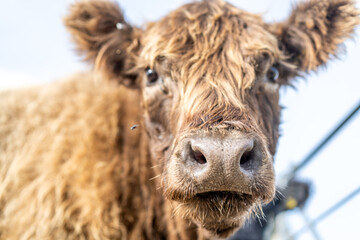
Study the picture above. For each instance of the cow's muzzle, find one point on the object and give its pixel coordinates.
(219, 163)
(219, 178)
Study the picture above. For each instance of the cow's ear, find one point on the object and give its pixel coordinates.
(315, 30)
(101, 34)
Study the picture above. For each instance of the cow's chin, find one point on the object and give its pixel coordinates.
(218, 213)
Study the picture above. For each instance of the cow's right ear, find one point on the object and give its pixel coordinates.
(101, 34)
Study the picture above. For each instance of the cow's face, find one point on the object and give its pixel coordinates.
(210, 75)
(210, 81)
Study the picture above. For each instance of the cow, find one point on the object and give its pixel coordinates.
(171, 135)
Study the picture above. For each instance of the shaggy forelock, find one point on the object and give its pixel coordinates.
(211, 49)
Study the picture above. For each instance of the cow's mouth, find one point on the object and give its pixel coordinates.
(222, 196)
(222, 205)
(219, 212)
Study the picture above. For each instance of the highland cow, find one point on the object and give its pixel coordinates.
(202, 87)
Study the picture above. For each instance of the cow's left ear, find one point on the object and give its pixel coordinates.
(105, 39)
(314, 31)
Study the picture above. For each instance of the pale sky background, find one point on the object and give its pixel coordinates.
(35, 48)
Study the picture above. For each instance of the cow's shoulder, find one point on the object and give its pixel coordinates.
(64, 140)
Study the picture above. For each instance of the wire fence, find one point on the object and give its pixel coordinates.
(324, 215)
(310, 225)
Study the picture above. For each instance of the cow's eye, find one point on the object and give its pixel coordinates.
(273, 74)
(152, 76)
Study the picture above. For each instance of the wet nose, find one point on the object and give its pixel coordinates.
(222, 164)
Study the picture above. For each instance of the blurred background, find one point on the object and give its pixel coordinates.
(35, 48)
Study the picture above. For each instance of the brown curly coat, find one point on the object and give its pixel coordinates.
(71, 167)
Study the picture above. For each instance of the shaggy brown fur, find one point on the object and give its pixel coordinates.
(72, 168)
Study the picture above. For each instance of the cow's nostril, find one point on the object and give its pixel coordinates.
(197, 156)
(246, 159)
